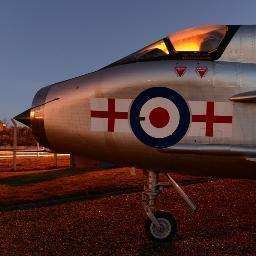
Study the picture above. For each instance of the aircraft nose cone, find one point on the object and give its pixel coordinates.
(24, 118)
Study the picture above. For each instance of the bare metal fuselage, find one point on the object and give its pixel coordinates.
(67, 121)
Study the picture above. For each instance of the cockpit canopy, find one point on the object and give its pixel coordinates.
(200, 43)
(202, 39)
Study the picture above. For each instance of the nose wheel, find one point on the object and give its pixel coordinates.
(159, 225)
(165, 231)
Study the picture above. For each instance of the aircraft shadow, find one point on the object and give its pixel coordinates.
(169, 248)
(26, 205)
(154, 248)
(23, 180)
(80, 196)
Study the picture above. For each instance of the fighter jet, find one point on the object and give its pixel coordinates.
(184, 104)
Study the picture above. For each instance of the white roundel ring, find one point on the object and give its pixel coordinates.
(159, 117)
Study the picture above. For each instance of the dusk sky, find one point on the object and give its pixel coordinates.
(43, 42)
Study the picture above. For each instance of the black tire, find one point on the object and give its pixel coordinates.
(169, 229)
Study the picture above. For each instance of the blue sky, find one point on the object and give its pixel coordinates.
(47, 41)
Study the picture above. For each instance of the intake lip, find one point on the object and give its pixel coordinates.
(35, 116)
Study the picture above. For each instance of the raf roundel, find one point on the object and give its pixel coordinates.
(159, 117)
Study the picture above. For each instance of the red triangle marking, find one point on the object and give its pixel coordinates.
(180, 71)
(201, 71)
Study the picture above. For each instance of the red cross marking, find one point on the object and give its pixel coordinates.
(111, 114)
(210, 119)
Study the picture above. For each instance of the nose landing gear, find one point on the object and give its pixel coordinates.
(159, 225)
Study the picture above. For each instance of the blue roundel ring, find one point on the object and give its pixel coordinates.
(179, 102)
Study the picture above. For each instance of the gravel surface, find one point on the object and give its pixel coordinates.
(223, 224)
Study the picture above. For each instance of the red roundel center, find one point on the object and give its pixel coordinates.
(159, 117)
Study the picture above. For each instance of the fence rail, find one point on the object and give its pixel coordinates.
(19, 151)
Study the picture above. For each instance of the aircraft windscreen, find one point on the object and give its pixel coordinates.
(195, 43)
(152, 51)
(157, 49)
(203, 39)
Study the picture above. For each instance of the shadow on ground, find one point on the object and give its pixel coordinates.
(23, 180)
(152, 248)
(83, 195)
(86, 195)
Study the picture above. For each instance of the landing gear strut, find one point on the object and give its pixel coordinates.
(160, 225)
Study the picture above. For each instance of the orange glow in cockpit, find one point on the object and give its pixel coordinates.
(158, 45)
(206, 38)
(188, 46)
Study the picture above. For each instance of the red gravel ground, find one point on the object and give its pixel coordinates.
(223, 224)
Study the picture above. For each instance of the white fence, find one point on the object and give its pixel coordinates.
(18, 151)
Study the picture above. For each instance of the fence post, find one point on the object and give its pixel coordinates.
(37, 147)
(55, 160)
(72, 161)
(14, 144)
